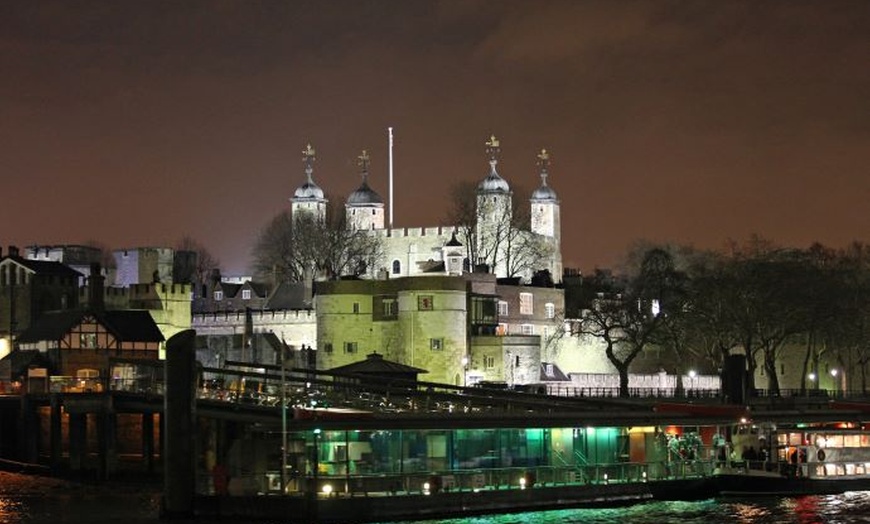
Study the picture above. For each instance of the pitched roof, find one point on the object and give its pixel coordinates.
(45, 267)
(126, 325)
(130, 324)
(555, 374)
(259, 289)
(375, 364)
(51, 326)
(230, 290)
(289, 296)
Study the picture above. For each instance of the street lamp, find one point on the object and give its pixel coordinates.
(692, 382)
(464, 371)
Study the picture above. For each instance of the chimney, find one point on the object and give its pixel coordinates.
(13, 251)
(96, 292)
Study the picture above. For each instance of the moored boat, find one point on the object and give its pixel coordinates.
(795, 461)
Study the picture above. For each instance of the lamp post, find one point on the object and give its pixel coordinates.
(283, 421)
(464, 371)
(835, 373)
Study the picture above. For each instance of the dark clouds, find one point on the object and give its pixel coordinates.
(139, 122)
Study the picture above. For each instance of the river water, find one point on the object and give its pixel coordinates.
(25, 501)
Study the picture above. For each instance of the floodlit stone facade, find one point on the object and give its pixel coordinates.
(420, 250)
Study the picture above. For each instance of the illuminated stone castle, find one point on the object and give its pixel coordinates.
(436, 250)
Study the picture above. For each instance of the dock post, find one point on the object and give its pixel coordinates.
(28, 431)
(78, 435)
(107, 440)
(148, 441)
(56, 435)
(179, 472)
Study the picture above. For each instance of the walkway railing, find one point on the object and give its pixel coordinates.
(466, 480)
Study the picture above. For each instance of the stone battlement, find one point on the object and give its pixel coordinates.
(414, 232)
(257, 317)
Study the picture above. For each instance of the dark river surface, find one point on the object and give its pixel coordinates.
(142, 508)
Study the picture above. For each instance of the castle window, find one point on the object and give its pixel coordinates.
(526, 303)
(528, 329)
(356, 308)
(246, 294)
(327, 347)
(502, 308)
(88, 340)
(424, 303)
(436, 344)
(488, 361)
(350, 347)
(391, 307)
(218, 296)
(397, 267)
(550, 309)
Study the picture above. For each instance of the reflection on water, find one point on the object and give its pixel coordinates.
(848, 508)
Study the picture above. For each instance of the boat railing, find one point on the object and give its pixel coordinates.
(464, 480)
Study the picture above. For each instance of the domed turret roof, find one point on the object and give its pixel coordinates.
(493, 183)
(544, 193)
(364, 196)
(309, 190)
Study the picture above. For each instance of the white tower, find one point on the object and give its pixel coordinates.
(494, 213)
(545, 214)
(364, 208)
(309, 198)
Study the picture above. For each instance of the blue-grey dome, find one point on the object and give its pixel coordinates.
(544, 193)
(364, 196)
(493, 183)
(309, 190)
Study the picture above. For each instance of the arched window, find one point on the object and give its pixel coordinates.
(397, 267)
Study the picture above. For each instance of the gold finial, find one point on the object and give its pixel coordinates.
(308, 154)
(363, 161)
(544, 159)
(492, 147)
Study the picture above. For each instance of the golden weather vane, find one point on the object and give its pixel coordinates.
(308, 155)
(363, 161)
(492, 147)
(544, 159)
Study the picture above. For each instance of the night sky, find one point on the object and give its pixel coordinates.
(134, 123)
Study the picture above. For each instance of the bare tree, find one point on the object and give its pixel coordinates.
(463, 215)
(306, 246)
(496, 232)
(631, 320)
(203, 263)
